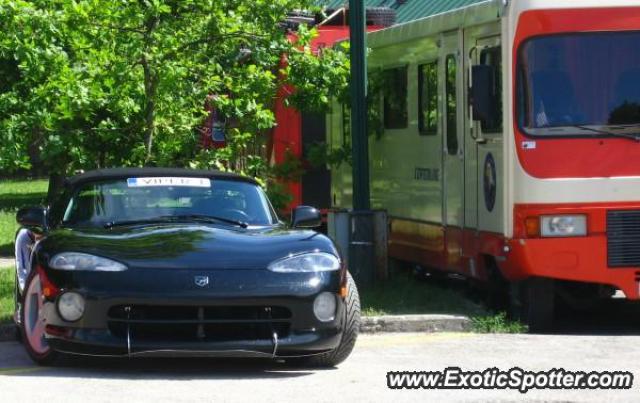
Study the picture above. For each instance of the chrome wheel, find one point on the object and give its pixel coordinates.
(23, 247)
(34, 321)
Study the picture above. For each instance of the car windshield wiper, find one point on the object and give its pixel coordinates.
(174, 218)
(210, 218)
(629, 136)
(123, 223)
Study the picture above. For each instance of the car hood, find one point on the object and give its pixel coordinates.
(182, 246)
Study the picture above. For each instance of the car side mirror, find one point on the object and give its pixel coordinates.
(482, 93)
(305, 217)
(32, 217)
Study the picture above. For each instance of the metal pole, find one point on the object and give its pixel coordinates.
(360, 142)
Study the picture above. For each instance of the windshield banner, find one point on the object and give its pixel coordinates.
(169, 181)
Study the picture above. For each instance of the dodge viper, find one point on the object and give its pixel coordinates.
(176, 262)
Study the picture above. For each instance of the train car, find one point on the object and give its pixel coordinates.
(505, 145)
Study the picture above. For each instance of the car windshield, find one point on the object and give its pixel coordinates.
(130, 200)
(580, 84)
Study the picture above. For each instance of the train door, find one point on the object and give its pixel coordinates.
(484, 172)
(453, 150)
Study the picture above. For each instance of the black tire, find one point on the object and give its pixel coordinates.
(496, 287)
(16, 299)
(16, 311)
(17, 302)
(349, 336)
(533, 303)
(49, 358)
(582, 297)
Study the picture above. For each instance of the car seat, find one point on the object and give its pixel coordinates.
(553, 90)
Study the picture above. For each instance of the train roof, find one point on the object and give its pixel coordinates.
(460, 13)
(409, 10)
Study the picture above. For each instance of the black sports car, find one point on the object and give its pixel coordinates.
(175, 262)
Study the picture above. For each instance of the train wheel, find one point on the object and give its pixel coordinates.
(533, 303)
(496, 288)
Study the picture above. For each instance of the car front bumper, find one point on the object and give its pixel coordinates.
(93, 342)
(276, 320)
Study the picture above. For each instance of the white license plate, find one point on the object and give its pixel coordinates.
(169, 181)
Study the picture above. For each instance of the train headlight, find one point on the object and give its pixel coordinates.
(563, 225)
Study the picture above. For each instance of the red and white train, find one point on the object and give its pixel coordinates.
(508, 146)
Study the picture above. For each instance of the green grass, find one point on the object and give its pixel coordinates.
(14, 195)
(6, 294)
(403, 295)
(496, 323)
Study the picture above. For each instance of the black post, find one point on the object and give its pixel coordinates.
(360, 144)
(361, 234)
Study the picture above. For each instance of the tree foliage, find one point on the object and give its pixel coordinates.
(90, 83)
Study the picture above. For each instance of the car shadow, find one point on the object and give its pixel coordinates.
(168, 369)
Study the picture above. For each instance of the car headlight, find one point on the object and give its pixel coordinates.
(75, 261)
(563, 226)
(324, 307)
(305, 263)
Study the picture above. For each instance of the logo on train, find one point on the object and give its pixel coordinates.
(490, 182)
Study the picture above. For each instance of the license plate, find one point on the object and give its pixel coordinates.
(169, 181)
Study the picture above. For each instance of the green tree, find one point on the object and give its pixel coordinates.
(91, 83)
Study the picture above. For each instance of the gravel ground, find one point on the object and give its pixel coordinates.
(361, 378)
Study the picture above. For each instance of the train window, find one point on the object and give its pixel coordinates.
(493, 57)
(375, 123)
(580, 84)
(451, 99)
(394, 94)
(428, 98)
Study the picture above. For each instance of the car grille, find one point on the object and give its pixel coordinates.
(198, 323)
(623, 238)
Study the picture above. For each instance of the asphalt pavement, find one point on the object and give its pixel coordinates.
(6, 262)
(361, 378)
